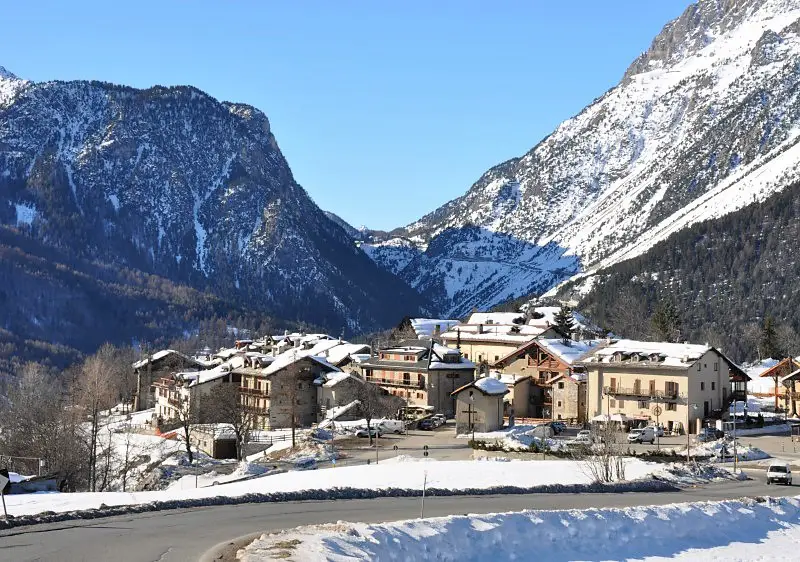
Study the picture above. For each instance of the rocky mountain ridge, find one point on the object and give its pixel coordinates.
(703, 123)
(169, 181)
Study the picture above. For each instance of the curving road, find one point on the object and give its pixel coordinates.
(186, 534)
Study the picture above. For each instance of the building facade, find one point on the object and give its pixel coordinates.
(675, 385)
(421, 372)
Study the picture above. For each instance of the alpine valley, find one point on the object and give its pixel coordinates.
(705, 122)
(124, 209)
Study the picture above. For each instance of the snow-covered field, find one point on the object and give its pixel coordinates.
(726, 531)
(448, 475)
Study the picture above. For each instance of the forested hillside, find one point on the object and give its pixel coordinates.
(724, 276)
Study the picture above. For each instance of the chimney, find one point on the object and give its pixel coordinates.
(480, 328)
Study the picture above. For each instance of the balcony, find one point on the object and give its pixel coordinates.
(254, 392)
(420, 384)
(256, 409)
(642, 393)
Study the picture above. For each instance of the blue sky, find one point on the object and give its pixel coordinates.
(384, 110)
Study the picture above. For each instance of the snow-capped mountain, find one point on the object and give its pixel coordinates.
(173, 182)
(703, 123)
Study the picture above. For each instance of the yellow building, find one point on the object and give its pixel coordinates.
(673, 384)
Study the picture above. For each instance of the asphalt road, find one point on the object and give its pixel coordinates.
(184, 535)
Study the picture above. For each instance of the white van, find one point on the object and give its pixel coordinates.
(642, 435)
(779, 471)
(392, 426)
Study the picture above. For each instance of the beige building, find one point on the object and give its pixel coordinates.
(181, 394)
(569, 397)
(421, 372)
(284, 390)
(479, 406)
(488, 337)
(683, 383)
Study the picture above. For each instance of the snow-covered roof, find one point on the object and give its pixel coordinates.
(405, 349)
(678, 355)
(291, 356)
(329, 380)
(442, 366)
(426, 327)
(504, 318)
(202, 377)
(570, 352)
(487, 385)
(514, 334)
(342, 351)
(442, 350)
(158, 355)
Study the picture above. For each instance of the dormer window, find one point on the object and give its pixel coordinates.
(655, 358)
(617, 357)
(634, 358)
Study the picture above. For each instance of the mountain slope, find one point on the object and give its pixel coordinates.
(705, 122)
(725, 276)
(170, 181)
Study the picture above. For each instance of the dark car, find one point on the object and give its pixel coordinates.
(558, 427)
(427, 425)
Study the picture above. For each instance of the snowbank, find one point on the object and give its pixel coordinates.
(383, 479)
(730, 531)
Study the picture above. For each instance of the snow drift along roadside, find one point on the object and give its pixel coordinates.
(386, 479)
(729, 530)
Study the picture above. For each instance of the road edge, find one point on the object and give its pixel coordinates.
(226, 550)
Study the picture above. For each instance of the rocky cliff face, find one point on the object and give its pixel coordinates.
(703, 123)
(172, 182)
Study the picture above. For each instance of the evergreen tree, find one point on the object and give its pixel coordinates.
(666, 322)
(565, 321)
(768, 343)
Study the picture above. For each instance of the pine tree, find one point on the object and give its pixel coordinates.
(768, 342)
(565, 321)
(666, 322)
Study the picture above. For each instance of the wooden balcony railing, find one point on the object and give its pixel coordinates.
(642, 393)
(419, 384)
(254, 392)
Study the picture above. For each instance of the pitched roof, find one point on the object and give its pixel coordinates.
(489, 386)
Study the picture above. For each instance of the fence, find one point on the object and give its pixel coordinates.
(27, 466)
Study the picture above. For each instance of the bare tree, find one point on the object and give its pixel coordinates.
(38, 421)
(603, 460)
(374, 402)
(187, 418)
(226, 407)
(98, 388)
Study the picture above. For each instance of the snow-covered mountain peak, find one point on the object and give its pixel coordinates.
(705, 122)
(10, 84)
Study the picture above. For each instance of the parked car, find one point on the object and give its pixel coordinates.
(371, 432)
(779, 471)
(306, 463)
(584, 437)
(707, 434)
(642, 435)
(392, 426)
(441, 418)
(559, 426)
(426, 425)
(658, 430)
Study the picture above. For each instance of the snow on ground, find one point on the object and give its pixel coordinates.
(452, 475)
(726, 531)
(518, 438)
(713, 449)
(243, 470)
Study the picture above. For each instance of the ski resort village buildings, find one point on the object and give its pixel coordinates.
(422, 372)
(677, 385)
(479, 405)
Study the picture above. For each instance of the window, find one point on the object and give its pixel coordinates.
(699, 366)
(560, 385)
(713, 386)
(643, 404)
(620, 403)
(496, 358)
(406, 378)
(559, 403)
(702, 385)
(613, 383)
(716, 365)
(672, 407)
(652, 388)
(466, 356)
(612, 403)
